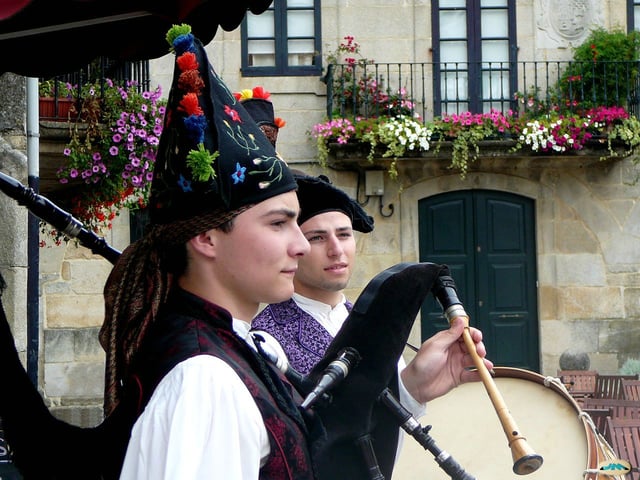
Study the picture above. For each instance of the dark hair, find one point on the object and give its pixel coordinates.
(3, 284)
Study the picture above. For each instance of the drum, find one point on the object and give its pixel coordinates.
(465, 424)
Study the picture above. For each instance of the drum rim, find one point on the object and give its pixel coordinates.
(594, 449)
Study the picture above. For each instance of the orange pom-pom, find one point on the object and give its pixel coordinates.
(187, 61)
(190, 105)
(279, 122)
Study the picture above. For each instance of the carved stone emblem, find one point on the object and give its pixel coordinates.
(568, 22)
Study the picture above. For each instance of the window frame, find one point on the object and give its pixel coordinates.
(280, 38)
(631, 19)
(473, 39)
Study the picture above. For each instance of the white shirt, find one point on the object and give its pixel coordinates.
(200, 423)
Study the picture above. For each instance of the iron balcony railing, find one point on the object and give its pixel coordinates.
(429, 90)
(97, 72)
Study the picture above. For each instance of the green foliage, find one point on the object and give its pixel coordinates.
(627, 132)
(603, 70)
(55, 88)
(631, 366)
(602, 45)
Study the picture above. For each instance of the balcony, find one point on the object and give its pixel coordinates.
(370, 89)
(547, 112)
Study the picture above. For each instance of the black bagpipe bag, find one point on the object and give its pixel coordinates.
(378, 328)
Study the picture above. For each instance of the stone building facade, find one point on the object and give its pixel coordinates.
(587, 216)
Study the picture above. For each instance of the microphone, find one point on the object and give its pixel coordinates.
(299, 381)
(335, 372)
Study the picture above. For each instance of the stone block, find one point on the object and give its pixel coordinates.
(621, 336)
(82, 416)
(88, 277)
(580, 269)
(587, 303)
(77, 311)
(74, 379)
(632, 302)
(58, 345)
(87, 346)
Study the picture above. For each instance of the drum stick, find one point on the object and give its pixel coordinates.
(525, 460)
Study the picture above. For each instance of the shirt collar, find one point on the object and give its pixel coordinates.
(311, 305)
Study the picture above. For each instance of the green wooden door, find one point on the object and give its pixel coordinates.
(487, 239)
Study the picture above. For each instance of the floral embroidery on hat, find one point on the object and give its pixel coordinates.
(233, 114)
(184, 184)
(238, 175)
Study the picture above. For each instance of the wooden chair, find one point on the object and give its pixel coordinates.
(620, 408)
(631, 389)
(599, 417)
(625, 441)
(610, 386)
(580, 384)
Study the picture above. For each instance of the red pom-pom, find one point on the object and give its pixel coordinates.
(260, 92)
(190, 105)
(187, 61)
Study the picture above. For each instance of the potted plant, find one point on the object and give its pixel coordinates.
(56, 100)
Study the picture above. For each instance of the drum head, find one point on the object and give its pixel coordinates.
(466, 425)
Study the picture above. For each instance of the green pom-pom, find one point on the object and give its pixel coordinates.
(177, 30)
(201, 163)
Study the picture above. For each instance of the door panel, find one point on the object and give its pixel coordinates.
(488, 240)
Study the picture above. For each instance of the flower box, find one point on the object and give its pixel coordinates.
(57, 110)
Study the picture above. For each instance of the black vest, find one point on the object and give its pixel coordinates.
(190, 326)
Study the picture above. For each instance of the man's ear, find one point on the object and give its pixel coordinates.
(204, 243)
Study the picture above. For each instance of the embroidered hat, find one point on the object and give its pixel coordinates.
(257, 102)
(317, 195)
(212, 155)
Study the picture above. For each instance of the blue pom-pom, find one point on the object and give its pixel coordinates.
(184, 43)
(195, 126)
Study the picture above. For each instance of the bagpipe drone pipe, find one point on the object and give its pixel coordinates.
(359, 431)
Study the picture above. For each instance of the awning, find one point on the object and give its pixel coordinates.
(43, 38)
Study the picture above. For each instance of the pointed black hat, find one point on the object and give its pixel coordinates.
(212, 154)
